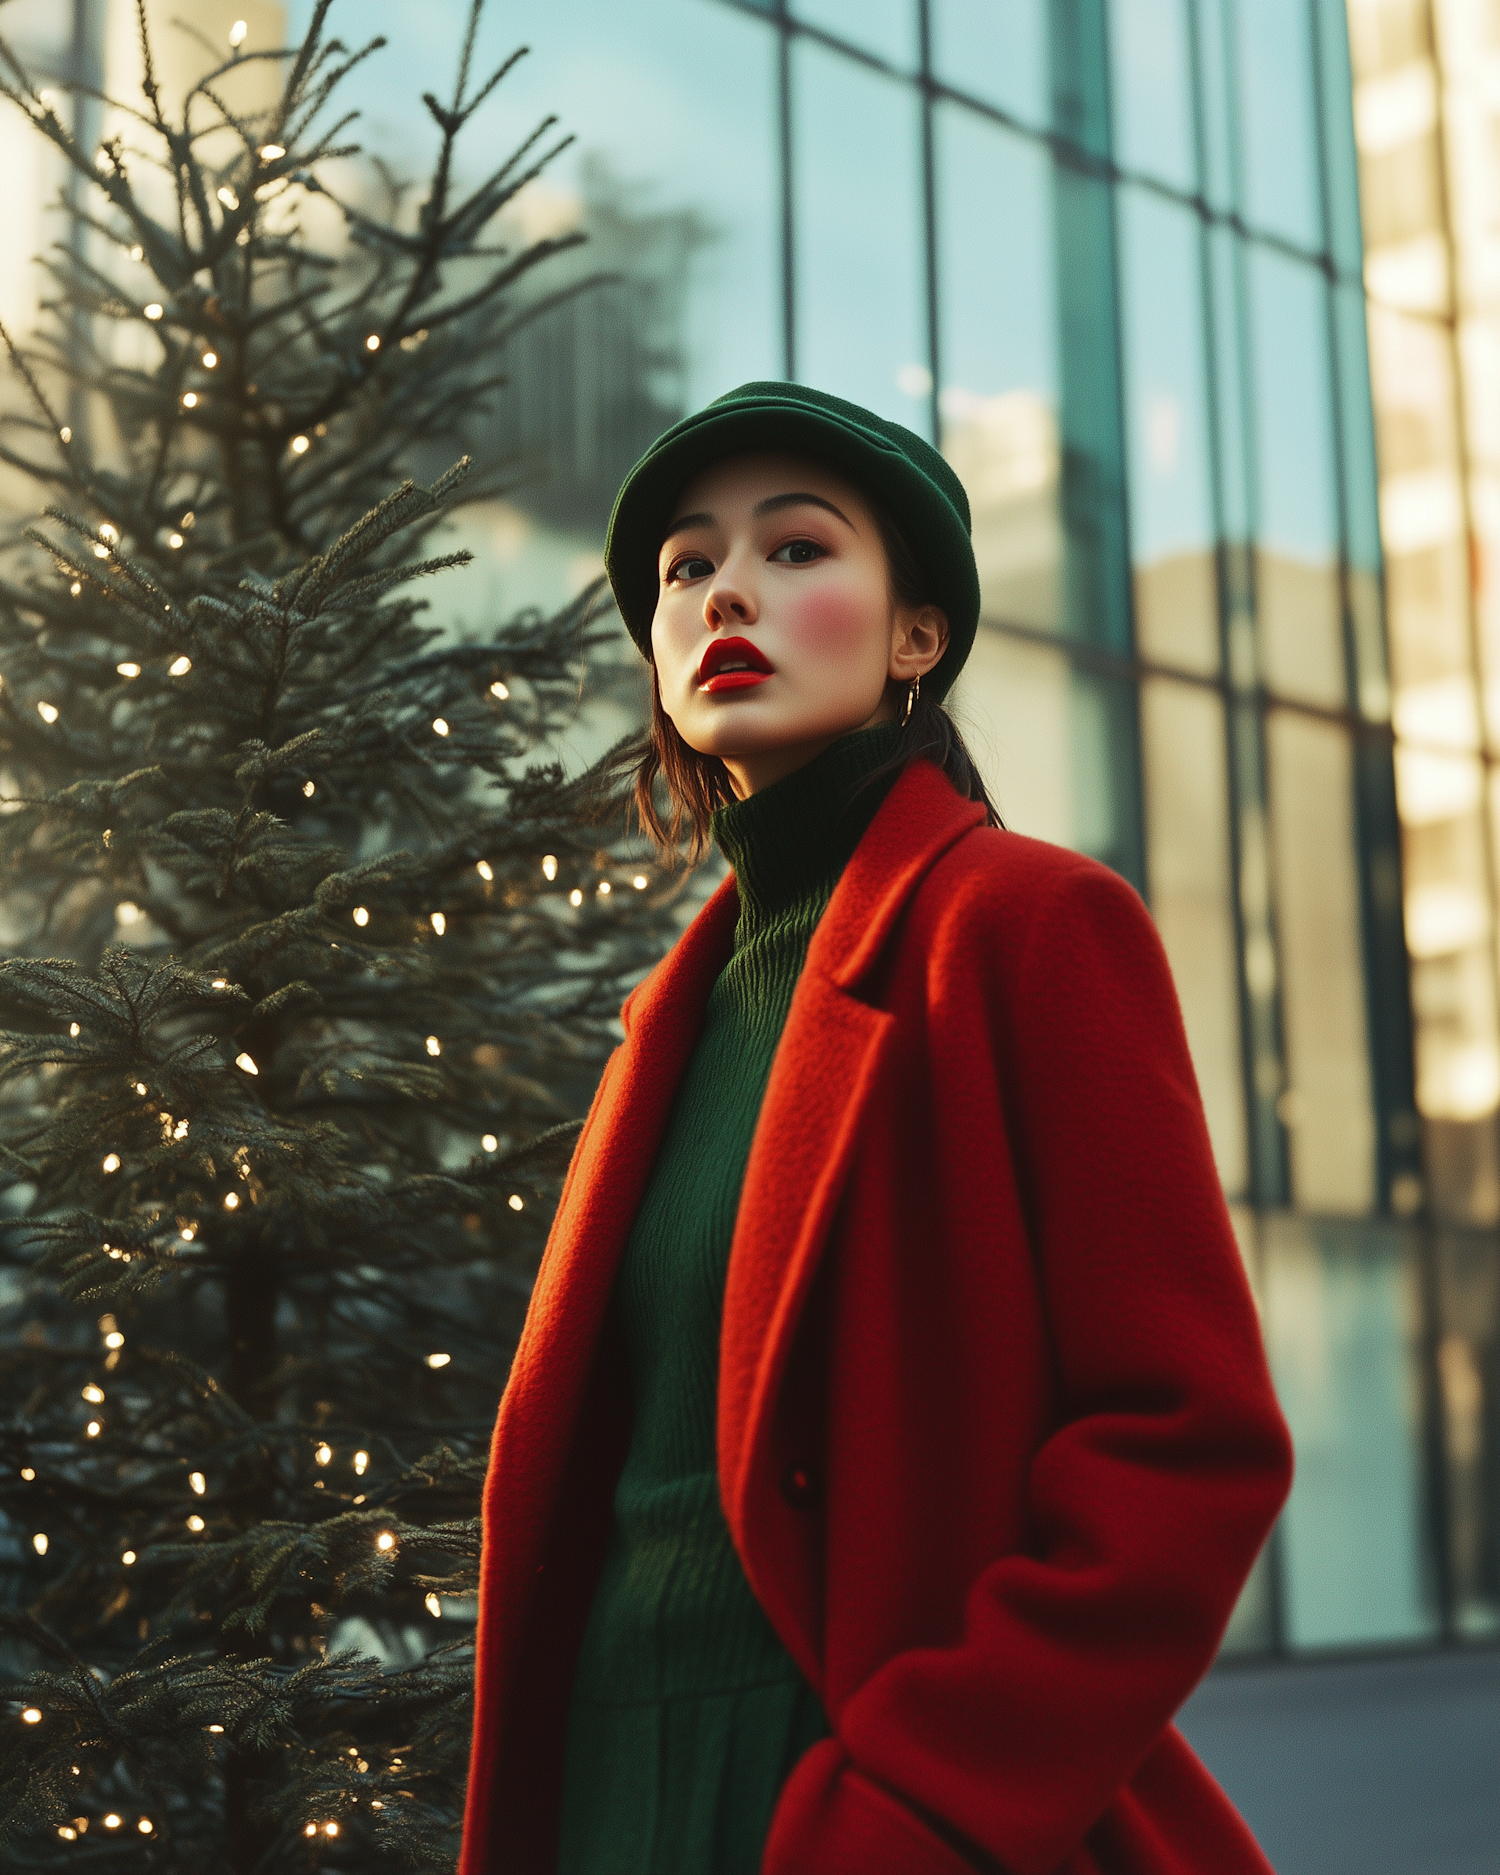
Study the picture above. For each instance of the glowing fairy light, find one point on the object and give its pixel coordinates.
(324, 1453)
(114, 1339)
(112, 1821)
(246, 1064)
(94, 1395)
(39, 1542)
(438, 1360)
(605, 888)
(439, 923)
(195, 1523)
(128, 669)
(210, 360)
(31, 1716)
(179, 667)
(189, 402)
(111, 1162)
(361, 1463)
(227, 196)
(485, 870)
(385, 1541)
(516, 1202)
(300, 445)
(188, 1233)
(127, 912)
(640, 882)
(309, 788)
(499, 690)
(128, 1558)
(93, 1429)
(549, 865)
(27, 1473)
(65, 434)
(434, 1606)
(575, 897)
(74, 1030)
(154, 310)
(47, 712)
(439, 726)
(271, 152)
(231, 1201)
(372, 343)
(237, 33)
(145, 1826)
(360, 915)
(490, 1143)
(76, 587)
(198, 1482)
(434, 1046)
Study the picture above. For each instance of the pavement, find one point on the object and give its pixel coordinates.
(1383, 1766)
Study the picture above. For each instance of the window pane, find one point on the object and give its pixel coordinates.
(888, 28)
(859, 261)
(1185, 759)
(1327, 1106)
(995, 50)
(1057, 748)
(1361, 505)
(1171, 500)
(1343, 1330)
(1469, 1374)
(999, 359)
(1151, 75)
(1278, 119)
(1297, 562)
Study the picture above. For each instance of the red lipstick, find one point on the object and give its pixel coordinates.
(732, 664)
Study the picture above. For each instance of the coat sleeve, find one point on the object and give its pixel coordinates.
(1167, 1461)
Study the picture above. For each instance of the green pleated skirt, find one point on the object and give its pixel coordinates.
(687, 1712)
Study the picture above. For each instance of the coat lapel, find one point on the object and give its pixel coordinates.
(827, 1065)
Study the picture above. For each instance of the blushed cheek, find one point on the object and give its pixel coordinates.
(834, 624)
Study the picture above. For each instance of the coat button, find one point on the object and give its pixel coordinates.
(798, 1486)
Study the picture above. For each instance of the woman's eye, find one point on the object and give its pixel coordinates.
(799, 553)
(690, 566)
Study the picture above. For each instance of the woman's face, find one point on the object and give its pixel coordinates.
(776, 630)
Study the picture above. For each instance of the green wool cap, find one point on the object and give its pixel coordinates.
(889, 462)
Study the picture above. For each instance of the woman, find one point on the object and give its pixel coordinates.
(890, 1433)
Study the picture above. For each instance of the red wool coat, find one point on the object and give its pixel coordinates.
(997, 1442)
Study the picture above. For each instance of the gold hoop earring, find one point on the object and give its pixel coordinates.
(911, 697)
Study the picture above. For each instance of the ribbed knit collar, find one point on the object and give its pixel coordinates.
(793, 839)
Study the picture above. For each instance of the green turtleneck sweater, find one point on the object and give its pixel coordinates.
(687, 1711)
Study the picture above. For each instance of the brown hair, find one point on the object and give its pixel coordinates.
(697, 784)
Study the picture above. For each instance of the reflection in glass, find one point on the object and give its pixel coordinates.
(996, 51)
(1278, 119)
(1327, 1107)
(888, 28)
(1171, 499)
(1151, 89)
(1342, 1325)
(998, 345)
(1190, 893)
(859, 259)
(1469, 1382)
(1297, 562)
(1057, 748)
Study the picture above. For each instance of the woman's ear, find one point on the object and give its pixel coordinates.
(920, 638)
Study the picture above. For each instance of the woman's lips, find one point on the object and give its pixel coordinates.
(732, 664)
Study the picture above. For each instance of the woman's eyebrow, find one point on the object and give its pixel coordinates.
(688, 520)
(796, 500)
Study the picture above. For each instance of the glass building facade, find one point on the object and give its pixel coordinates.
(1108, 254)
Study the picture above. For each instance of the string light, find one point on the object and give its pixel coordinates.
(188, 1232)
(434, 1606)
(372, 343)
(323, 1454)
(485, 870)
(434, 1046)
(330, 1829)
(128, 1558)
(39, 1542)
(604, 888)
(360, 915)
(549, 865)
(640, 882)
(154, 310)
(227, 196)
(74, 1030)
(198, 1482)
(438, 1360)
(68, 1834)
(32, 1716)
(137, 253)
(195, 1522)
(112, 1821)
(237, 33)
(101, 552)
(174, 541)
(114, 1339)
(126, 912)
(66, 433)
(189, 402)
(309, 788)
(515, 1201)
(128, 670)
(111, 1162)
(439, 726)
(94, 1395)
(271, 152)
(575, 897)
(490, 1143)
(76, 587)
(246, 1064)
(361, 1463)
(27, 1473)
(219, 983)
(499, 690)
(47, 712)
(140, 1088)
(385, 1541)
(300, 445)
(210, 360)
(144, 1826)
(93, 1429)
(231, 1201)
(439, 923)
(216, 1728)
(310, 1829)
(179, 667)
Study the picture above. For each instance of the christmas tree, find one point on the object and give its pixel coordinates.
(313, 954)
